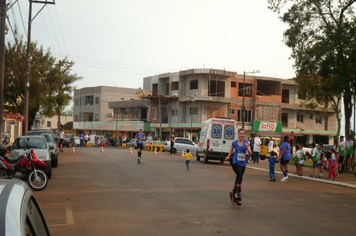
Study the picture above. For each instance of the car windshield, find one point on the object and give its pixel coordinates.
(48, 136)
(67, 135)
(76, 138)
(33, 142)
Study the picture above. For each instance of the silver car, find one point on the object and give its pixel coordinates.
(20, 213)
(39, 145)
(181, 144)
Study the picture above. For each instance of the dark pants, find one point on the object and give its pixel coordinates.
(239, 171)
(256, 157)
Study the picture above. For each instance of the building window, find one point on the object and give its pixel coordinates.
(285, 95)
(193, 111)
(96, 100)
(174, 112)
(77, 102)
(136, 113)
(285, 119)
(248, 115)
(300, 118)
(233, 84)
(318, 119)
(89, 100)
(311, 116)
(248, 90)
(325, 123)
(49, 124)
(194, 84)
(76, 118)
(175, 86)
(232, 111)
(88, 116)
(96, 117)
(154, 113)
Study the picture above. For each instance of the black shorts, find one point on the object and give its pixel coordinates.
(284, 162)
(348, 156)
(341, 159)
(140, 146)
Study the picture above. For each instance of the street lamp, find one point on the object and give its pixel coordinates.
(192, 98)
(243, 109)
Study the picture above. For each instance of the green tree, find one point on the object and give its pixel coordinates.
(50, 80)
(322, 36)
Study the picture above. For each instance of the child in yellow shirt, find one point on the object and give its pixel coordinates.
(187, 158)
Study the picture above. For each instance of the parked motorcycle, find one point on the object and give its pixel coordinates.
(27, 166)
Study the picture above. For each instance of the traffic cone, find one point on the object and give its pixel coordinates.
(73, 150)
(155, 151)
(130, 150)
(102, 149)
(182, 153)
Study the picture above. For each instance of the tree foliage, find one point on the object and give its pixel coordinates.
(51, 80)
(322, 36)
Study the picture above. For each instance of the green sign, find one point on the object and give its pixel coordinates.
(267, 126)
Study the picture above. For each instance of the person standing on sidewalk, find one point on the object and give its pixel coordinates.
(240, 147)
(349, 146)
(256, 149)
(332, 164)
(321, 156)
(272, 164)
(341, 145)
(270, 145)
(315, 155)
(285, 157)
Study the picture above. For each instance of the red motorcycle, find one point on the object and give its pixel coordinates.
(27, 166)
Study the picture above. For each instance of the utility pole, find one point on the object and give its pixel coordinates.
(2, 63)
(28, 66)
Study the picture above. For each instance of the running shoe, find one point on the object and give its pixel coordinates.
(232, 197)
(238, 199)
(284, 179)
(274, 179)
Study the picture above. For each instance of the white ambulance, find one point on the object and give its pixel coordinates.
(216, 137)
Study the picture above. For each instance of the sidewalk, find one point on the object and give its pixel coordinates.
(346, 179)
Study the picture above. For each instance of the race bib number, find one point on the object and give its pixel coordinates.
(241, 156)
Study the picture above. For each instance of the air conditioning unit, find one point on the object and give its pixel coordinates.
(111, 114)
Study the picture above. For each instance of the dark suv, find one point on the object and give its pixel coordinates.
(53, 148)
(68, 139)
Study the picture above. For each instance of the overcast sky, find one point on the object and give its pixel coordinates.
(117, 42)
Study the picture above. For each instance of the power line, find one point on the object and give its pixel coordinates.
(23, 24)
(93, 66)
(54, 30)
(50, 38)
(60, 29)
(115, 63)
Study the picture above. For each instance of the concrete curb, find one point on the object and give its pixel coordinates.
(308, 178)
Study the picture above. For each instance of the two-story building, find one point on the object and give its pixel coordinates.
(180, 101)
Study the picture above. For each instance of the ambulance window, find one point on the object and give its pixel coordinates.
(216, 131)
(229, 132)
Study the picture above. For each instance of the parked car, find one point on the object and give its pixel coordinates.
(20, 212)
(51, 143)
(38, 143)
(181, 144)
(327, 148)
(68, 139)
(132, 143)
(77, 141)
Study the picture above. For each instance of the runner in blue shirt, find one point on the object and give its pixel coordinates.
(140, 137)
(240, 147)
(285, 157)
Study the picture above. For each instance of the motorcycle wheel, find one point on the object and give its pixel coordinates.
(40, 183)
(3, 174)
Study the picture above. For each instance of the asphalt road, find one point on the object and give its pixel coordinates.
(93, 193)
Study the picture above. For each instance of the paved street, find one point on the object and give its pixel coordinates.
(93, 193)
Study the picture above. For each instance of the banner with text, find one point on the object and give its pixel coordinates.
(267, 126)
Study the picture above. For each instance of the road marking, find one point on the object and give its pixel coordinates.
(69, 216)
(309, 178)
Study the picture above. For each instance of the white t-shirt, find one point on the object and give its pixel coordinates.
(270, 146)
(61, 135)
(86, 137)
(256, 144)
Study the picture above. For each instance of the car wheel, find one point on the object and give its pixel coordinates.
(262, 157)
(198, 157)
(221, 161)
(206, 157)
(54, 161)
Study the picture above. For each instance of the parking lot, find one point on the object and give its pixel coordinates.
(93, 193)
